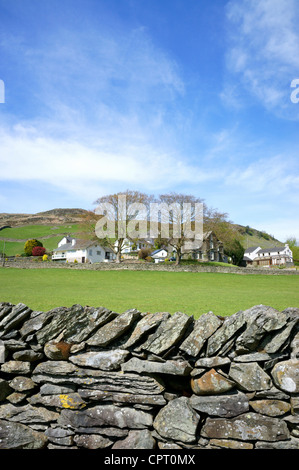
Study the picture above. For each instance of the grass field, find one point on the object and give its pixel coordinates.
(191, 293)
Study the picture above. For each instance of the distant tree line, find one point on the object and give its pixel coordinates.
(213, 220)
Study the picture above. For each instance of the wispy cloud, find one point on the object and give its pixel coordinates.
(263, 52)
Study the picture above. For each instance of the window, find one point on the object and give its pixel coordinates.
(98, 252)
(90, 252)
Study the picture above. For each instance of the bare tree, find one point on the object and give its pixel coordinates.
(178, 222)
(124, 215)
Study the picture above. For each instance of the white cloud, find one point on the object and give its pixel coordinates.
(263, 51)
(73, 166)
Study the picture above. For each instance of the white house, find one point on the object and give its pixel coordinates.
(273, 256)
(131, 246)
(159, 255)
(81, 251)
(251, 253)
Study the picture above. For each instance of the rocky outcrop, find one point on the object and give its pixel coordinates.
(86, 377)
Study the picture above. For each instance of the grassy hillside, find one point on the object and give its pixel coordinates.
(16, 237)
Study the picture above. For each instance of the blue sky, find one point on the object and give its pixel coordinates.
(191, 96)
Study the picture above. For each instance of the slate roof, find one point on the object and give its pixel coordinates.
(79, 245)
(273, 249)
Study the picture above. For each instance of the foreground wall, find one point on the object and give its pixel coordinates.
(85, 377)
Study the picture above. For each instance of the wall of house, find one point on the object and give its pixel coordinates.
(86, 377)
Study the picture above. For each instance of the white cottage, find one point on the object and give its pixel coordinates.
(273, 256)
(159, 255)
(73, 250)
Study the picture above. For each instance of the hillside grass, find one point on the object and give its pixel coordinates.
(36, 231)
(191, 293)
(54, 232)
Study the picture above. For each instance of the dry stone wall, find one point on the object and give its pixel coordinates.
(86, 377)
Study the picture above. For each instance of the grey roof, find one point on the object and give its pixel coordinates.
(79, 245)
(157, 251)
(251, 249)
(272, 249)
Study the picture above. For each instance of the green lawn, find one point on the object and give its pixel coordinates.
(191, 293)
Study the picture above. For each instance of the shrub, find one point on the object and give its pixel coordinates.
(45, 258)
(38, 251)
(144, 253)
(30, 244)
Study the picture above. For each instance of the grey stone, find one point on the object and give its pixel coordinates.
(50, 389)
(295, 405)
(260, 320)
(272, 393)
(35, 323)
(177, 421)
(167, 367)
(106, 415)
(253, 357)
(204, 327)
(17, 397)
(19, 436)
(16, 367)
(292, 443)
(72, 401)
(60, 372)
(270, 407)
(230, 444)
(229, 328)
(2, 352)
(22, 384)
(246, 427)
(136, 440)
(76, 323)
(286, 375)
(92, 441)
(114, 329)
(274, 343)
(225, 405)
(27, 414)
(104, 431)
(250, 376)
(115, 397)
(145, 326)
(167, 334)
(14, 344)
(5, 309)
(295, 346)
(60, 436)
(17, 315)
(27, 355)
(104, 360)
(209, 362)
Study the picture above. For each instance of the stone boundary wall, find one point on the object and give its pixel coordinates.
(135, 266)
(87, 377)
